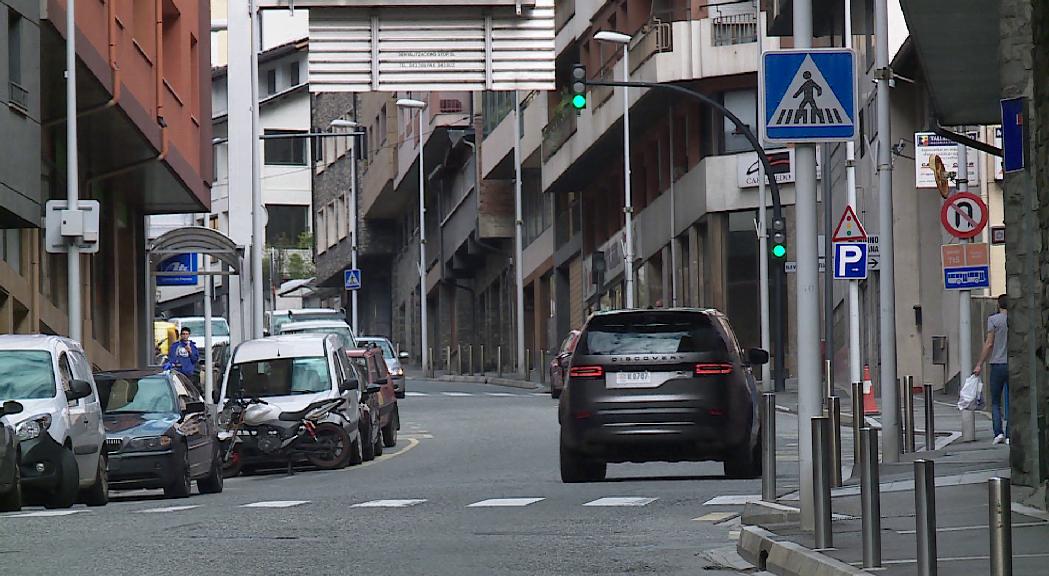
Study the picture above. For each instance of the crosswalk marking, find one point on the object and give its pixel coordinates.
(388, 504)
(621, 501)
(716, 516)
(416, 394)
(733, 500)
(505, 502)
(167, 509)
(499, 394)
(276, 504)
(456, 394)
(45, 513)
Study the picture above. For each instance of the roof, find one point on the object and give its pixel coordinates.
(283, 346)
(35, 342)
(657, 310)
(307, 324)
(134, 373)
(295, 311)
(270, 54)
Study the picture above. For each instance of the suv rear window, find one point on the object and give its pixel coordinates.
(651, 333)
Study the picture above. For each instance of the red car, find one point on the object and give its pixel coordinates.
(380, 417)
(559, 365)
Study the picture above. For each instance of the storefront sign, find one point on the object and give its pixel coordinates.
(927, 145)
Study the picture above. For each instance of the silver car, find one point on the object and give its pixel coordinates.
(393, 359)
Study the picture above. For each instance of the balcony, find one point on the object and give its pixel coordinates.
(18, 97)
(734, 29)
(558, 130)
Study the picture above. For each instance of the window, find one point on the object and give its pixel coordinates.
(654, 332)
(271, 81)
(383, 128)
(288, 151)
(322, 230)
(14, 47)
(194, 77)
(293, 74)
(26, 375)
(144, 25)
(340, 211)
(174, 59)
(136, 395)
(286, 224)
(333, 218)
(281, 376)
(742, 103)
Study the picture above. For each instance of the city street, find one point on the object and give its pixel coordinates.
(471, 488)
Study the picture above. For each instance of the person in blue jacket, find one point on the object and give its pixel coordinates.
(184, 356)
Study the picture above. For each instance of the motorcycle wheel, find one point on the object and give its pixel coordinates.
(231, 465)
(334, 445)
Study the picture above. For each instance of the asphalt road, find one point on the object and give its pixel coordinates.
(464, 450)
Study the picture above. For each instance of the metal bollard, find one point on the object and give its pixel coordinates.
(870, 497)
(930, 419)
(528, 364)
(542, 366)
(1001, 524)
(448, 360)
(901, 412)
(858, 421)
(499, 361)
(429, 361)
(833, 412)
(484, 369)
(470, 356)
(908, 407)
(925, 515)
(828, 379)
(768, 447)
(821, 481)
(459, 359)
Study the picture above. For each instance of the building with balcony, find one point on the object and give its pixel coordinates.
(143, 149)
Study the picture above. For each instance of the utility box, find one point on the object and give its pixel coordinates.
(939, 350)
(63, 226)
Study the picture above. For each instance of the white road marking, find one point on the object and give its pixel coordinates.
(457, 394)
(416, 394)
(716, 516)
(500, 394)
(167, 509)
(733, 500)
(505, 502)
(45, 514)
(621, 501)
(388, 504)
(276, 504)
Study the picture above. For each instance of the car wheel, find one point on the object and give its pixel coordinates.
(379, 446)
(576, 468)
(98, 493)
(213, 483)
(180, 486)
(68, 487)
(357, 451)
(367, 444)
(389, 433)
(12, 501)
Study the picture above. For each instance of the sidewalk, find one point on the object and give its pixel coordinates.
(772, 539)
(507, 380)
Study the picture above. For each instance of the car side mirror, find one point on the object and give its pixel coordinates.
(372, 389)
(382, 381)
(194, 407)
(757, 356)
(404, 356)
(11, 407)
(347, 385)
(78, 389)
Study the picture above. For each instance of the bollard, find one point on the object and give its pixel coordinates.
(768, 447)
(821, 481)
(902, 413)
(528, 364)
(908, 407)
(1001, 525)
(499, 360)
(833, 412)
(448, 360)
(429, 360)
(930, 419)
(459, 359)
(484, 369)
(858, 421)
(925, 515)
(828, 379)
(470, 356)
(870, 497)
(542, 366)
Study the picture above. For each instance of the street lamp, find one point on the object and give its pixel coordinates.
(628, 206)
(412, 104)
(343, 123)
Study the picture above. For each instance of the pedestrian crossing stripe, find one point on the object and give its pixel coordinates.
(45, 514)
(276, 504)
(388, 504)
(167, 509)
(808, 95)
(621, 501)
(505, 502)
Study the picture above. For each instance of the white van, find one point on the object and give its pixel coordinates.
(277, 318)
(196, 325)
(60, 431)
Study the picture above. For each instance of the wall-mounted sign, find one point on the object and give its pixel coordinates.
(181, 263)
(966, 266)
(748, 167)
(927, 145)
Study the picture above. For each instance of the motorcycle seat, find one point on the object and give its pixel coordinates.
(300, 414)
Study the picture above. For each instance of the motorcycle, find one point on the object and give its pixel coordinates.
(255, 429)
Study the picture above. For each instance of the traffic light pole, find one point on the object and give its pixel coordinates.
(778, 223)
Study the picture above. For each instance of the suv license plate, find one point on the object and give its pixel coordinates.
(629, 380)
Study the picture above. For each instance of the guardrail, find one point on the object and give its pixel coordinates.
(732, 29)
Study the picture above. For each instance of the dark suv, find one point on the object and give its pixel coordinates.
(659, 385)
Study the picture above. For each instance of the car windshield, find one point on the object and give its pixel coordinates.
(138, 395)
(384, 344)
(280, 377)
(219, 327)
(26, 375)
(279, 320)
(345, 334)
(651, 333)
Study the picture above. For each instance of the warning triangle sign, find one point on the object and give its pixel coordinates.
(849, 228)
(809, 101)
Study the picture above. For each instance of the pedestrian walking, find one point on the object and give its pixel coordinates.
(995, 352)
(184, 356)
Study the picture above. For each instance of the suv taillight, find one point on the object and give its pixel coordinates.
(713, 368)
(587, 372)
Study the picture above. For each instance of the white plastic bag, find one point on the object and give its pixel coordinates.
(971, 395)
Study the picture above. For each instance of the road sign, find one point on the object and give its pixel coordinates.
(808, 95)
(351, 279)
(181, 263)
(791, 266)
(873, 252)
(966, 266)
(963, 215)
(850, 260)
(849, 228)
(1013, 134)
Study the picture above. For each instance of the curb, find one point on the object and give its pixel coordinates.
(492, 380)
(785, 558)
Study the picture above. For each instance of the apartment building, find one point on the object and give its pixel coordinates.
(143, 149)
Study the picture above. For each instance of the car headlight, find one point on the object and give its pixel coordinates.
(33, 427)
(148, 444)
(397, 371)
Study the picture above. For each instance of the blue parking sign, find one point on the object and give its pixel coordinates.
(850, 260)
(808, 95)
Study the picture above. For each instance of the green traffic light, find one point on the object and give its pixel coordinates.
(579, 101)
(779, 250)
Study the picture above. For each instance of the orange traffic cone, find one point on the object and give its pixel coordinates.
(870, 404)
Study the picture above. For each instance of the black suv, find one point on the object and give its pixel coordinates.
(668, 385)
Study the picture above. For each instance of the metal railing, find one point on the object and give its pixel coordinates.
(18, 96)
(558, 130)
(656, 37)
(732, 29)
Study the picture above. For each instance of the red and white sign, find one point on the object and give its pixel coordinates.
(963, 215)
(849, 228)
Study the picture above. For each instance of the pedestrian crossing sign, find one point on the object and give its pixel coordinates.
(808, 95)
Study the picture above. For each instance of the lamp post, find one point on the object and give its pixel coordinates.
(628, 207)
(76, 317)
(341, 123)
(411, 104)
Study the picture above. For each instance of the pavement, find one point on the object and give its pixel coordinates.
(772, 539)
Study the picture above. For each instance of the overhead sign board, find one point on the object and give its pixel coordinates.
(963, 215)
(180, 263)
(436, 46)
(966, 266)
(808, 95)
(929, 144)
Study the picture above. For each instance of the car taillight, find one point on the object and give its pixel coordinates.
(587, 371)
(713, 368)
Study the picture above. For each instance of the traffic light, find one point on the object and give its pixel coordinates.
(578, 86)
(779, 238)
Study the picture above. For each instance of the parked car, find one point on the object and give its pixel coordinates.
(196, 325)
(392, 358)
(559, 364)
(60, 432)
(385, 415)
(659, 385)
(10, 476)
(158, 432)
(338, 327)
(277, 318)
(290, 373)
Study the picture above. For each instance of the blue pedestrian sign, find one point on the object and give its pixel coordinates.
(850, 260)
(351, 279)
(808, 95)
